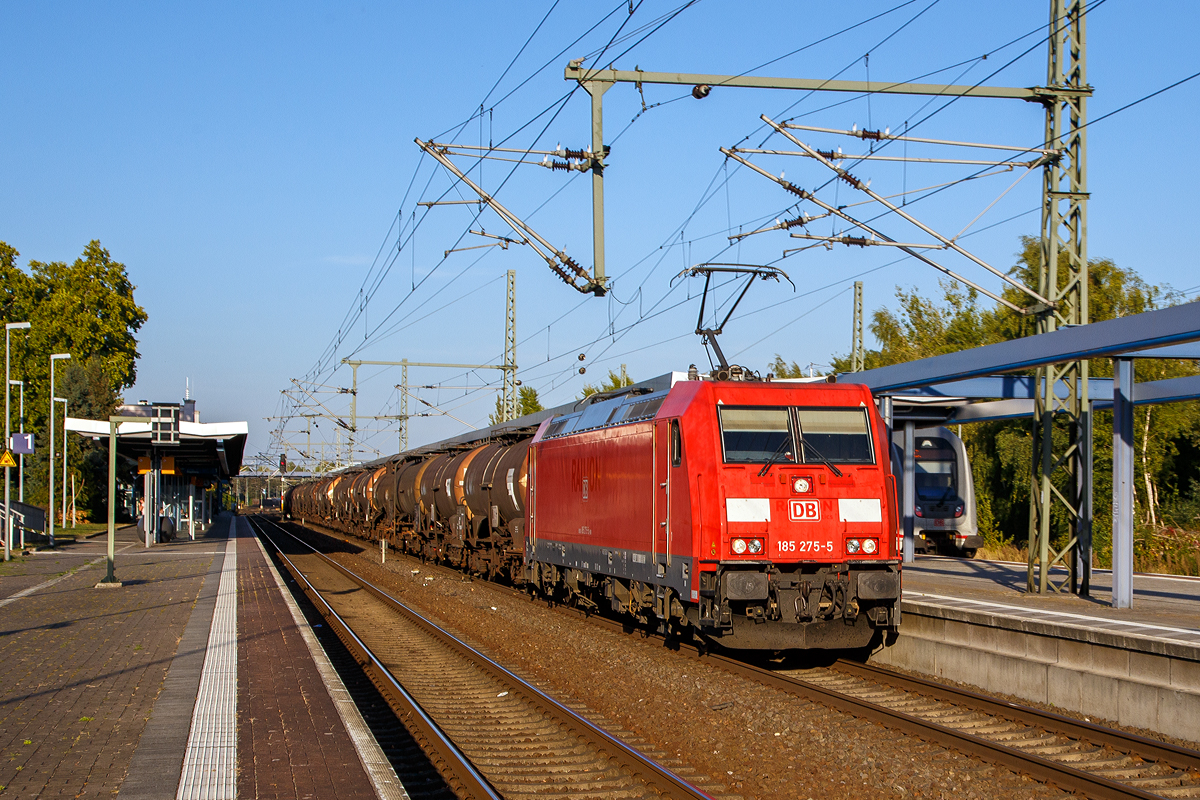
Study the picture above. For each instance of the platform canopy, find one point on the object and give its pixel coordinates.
(204, 448)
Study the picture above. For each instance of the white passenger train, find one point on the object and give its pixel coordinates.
(946, 522)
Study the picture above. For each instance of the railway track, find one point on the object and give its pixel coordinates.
(1074, 755)
(489, 733)
(1135, 766)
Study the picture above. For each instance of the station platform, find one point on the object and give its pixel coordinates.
(197, 679)
(972, 621)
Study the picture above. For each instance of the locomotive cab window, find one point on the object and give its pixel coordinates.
(755, 435)
(676, 444)
(841, 435)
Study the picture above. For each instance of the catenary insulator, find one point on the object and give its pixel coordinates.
(850, 179)
(796, 190)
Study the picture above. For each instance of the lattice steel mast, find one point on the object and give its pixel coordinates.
(1063, 279)
(509, 400)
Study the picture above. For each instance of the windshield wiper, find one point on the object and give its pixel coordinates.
(817, 453)
(778, 450)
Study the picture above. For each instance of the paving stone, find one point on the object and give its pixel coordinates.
(284, 709)
(80, 668)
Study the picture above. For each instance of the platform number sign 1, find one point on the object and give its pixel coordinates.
(165, 424)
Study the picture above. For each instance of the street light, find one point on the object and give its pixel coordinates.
(50, 505)
(21, 457)
(8, 329)
(63, 400)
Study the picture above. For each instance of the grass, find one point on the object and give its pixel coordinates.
(1165, 551)
(80, 531)
(1002, 552)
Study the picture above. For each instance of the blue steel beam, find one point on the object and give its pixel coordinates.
(994, 387)
(1185, 352)
(1175, 325)
(1168, 390)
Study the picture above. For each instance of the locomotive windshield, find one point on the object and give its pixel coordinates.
(755, 435)
(841, 435)
(935, 469)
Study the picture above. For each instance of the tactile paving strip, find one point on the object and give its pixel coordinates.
(210, 762)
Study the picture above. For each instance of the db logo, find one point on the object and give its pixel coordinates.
(804, 510)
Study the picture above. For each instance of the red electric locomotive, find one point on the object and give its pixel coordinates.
(761, 513)
(758, 514)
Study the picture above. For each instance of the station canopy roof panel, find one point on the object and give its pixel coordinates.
(204, 448)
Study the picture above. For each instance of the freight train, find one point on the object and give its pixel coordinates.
(755, 514)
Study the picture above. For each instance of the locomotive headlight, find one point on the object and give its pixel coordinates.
(852, 545)
(738, 545)
(802, 485)
(958, 510)
(755, 546)
(869, 546)
(917, 510)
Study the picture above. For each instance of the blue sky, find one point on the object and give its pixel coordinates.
(248, 162)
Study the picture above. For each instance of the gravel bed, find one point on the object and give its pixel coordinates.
(759, 742)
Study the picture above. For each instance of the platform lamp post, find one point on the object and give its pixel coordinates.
(8, 329)
(50, 505)
(110, 579)
(21, 457)
(63, 516)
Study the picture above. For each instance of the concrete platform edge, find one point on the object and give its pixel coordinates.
(1081, 633)
(1131, 680)
(383, 777)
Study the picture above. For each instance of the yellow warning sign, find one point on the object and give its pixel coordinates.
(7, 459)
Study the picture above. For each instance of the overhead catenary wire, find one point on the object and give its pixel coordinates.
(719, 186)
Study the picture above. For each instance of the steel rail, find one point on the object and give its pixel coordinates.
(462, 775)
(1131, 743)
(1041, 769)
(667, 783)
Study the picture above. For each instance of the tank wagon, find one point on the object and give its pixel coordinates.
(759, 515)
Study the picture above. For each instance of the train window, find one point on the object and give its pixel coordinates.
(561, 426)
(754, 435)
(676, 444)
(936, 469)
(644, 408)
(841, 435)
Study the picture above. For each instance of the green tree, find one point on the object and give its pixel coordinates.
(86, 309)
(613, 382)
(527, 403)
(1168, 437)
